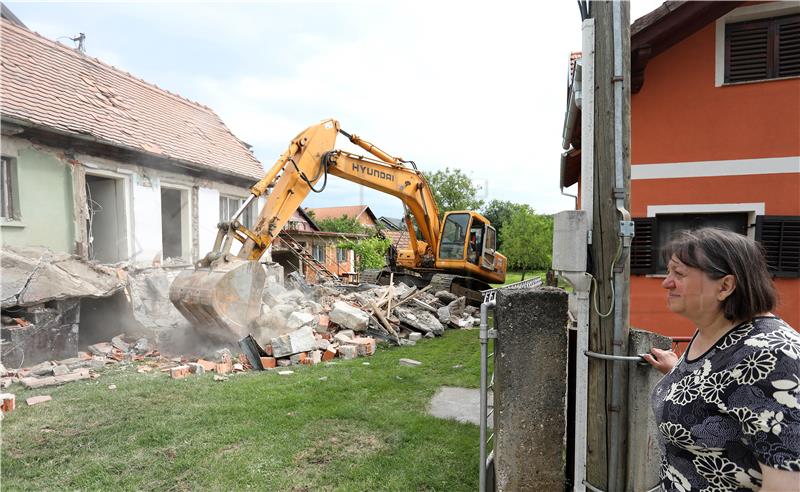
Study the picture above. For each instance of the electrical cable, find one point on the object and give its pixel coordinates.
(611, 277)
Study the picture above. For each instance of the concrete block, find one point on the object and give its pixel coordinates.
(414, 337)
(348, 316)
(329, 354)
(268, 362)
(348, 352)
(196, 368)
(299, 319)
(530, 388)
(301, 340)
(34, 400)
(7, 402)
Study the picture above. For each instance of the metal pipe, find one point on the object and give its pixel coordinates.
(484, 336)
(621, 358)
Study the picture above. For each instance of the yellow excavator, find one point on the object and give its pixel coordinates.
(458, 253)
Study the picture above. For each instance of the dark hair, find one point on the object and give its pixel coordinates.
(719, 252)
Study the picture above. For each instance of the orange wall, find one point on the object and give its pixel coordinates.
(680, 116)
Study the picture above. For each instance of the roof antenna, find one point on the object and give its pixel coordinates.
(80, 39)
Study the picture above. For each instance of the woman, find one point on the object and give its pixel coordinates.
(728, 410)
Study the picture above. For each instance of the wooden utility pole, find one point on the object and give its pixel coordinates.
(607, 419)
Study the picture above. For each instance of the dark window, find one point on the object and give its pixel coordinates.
(318, 252)
(762, 49)
(9, 201)
(780, 237)
(653, 233)
(342, 255)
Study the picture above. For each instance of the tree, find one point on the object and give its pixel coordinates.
(453, 190)
(344, 224)
(499, 212)
(528, 240)
(370, 252)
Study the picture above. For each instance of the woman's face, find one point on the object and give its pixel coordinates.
(690, 292)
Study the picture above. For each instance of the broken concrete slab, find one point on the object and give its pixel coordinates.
(445, 297)
(299, 319)
(60, 370)
(347, 316)
(301, 340)
(291, 297)
(33, 383)
(35, 275)
(419, 320)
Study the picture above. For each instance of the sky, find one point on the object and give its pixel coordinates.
(476, 86)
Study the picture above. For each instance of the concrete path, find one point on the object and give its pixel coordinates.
(461, 404)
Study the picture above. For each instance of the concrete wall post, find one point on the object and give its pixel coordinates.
(530, 386)
(644, 455)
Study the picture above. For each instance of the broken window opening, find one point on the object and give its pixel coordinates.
(175, 223)
(228, 205)
(106, 224)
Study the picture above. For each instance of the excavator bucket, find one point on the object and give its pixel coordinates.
(221, 301)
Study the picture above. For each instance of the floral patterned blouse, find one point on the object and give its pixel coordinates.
(734, 406)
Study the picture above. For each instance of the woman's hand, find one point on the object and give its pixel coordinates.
(663, 360)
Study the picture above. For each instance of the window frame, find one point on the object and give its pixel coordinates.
(249, 215)
(8, 172)
(742, 14)
(323, 254)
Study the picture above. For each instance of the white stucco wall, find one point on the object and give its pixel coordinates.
(146, 221)
(208, 217)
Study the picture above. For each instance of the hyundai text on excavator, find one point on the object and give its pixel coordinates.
(224, 291)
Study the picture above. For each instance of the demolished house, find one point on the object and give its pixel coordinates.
(100, 167)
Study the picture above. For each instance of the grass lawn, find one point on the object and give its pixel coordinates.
(363, 428)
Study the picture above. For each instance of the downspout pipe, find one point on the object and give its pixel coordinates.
(626, 235)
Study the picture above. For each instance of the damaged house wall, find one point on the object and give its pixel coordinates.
(44, 182)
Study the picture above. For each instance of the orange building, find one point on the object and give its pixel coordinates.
(715, 140)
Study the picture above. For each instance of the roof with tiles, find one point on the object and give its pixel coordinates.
(352, 211)
(55, 87)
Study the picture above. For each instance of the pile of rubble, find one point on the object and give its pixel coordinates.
(307, 325)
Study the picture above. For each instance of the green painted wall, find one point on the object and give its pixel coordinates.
(45, 201)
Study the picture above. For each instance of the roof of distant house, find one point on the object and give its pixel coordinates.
(399, 239)
(392, 223)
(55, 88)
(353, 211)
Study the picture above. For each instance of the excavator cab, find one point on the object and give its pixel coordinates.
(468, 243)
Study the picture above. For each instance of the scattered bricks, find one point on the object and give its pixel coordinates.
(315, 356)
(326, 336)
(410, 362)
(364, 345)
(60, 370)
(238, 367)
(179, 372)
(7, 402)
(34, 400)
(284, 362)
(268, 362)
(298, 358)
(144, 369)
(329, 354)
(223, 355)
(413, 337)
(196, 368)
(84, 356)
(268, 350)
(207, 365)
(324, 321)
(119, 343)
(348, 316)
(343, 338)
(348, 352)
(224, 367)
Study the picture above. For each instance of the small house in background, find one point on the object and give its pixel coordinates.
(303, 247)
(391, 223)
(361, 213)
(715, 126)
